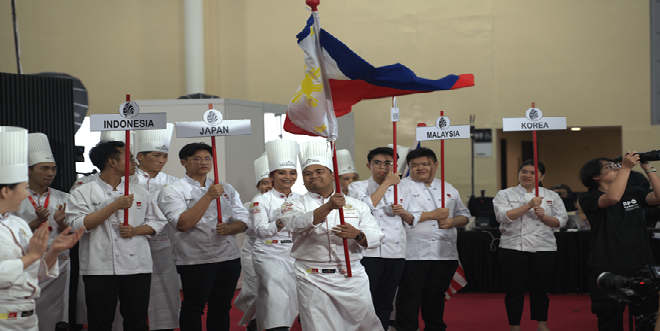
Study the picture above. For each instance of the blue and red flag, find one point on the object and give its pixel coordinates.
(336, 78)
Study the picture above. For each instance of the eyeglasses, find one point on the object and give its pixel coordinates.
(378, 164)
(198, 160)
(611, 166)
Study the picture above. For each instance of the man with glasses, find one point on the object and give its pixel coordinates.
(619, 242)
(384, 264)
(205, 252)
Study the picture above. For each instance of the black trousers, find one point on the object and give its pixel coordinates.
(210, 283)
(425, 283)
(608, 311)
(524, 271)
(384, 277)
(102, 292)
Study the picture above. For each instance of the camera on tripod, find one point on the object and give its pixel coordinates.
(639, 293)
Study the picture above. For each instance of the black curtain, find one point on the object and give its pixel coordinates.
(43, 104)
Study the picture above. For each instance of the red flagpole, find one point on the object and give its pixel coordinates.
(442, 166)
(341, 210)
(536, 159)
(215, 172)
(394, 158)
(127, 164)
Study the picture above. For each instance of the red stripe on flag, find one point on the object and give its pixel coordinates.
(466, 80)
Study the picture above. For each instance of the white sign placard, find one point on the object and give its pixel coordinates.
(224, 128)
(394, 114)
(524, 124)
(116, 122)
(450, 132)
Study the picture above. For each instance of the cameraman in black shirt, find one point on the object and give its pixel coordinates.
(619, 242)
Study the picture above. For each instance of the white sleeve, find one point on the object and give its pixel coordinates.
(154, 217)
(409, 204)
(11, 272)
(559, 210)
(369, 226)
(239, 212)
(172, 205)
(459, 208)
(77, 209)
(261, 224)
(501, 205)
(296, 218)
(358, 190)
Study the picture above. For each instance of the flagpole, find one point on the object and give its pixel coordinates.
(215, 173)
(536, 159)
(442, 166)
(127, 164)
(394, 155)
(341, 210)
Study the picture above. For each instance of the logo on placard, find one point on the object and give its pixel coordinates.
(534, 114)
(212, 117)
(443, 123)
(129, 109)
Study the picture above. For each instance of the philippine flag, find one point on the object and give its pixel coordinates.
(336, 78)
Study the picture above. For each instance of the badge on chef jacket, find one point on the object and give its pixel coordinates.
(254, 208)
(312, 271)
(287, 207)
(138, 205)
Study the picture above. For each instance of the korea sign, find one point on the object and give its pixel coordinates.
(533, 121)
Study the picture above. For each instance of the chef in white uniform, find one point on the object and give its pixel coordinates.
(106, 136)
(81, 307)
(47, 205)
(327, 298)
(205, 252)
(24, 257)
(165, 301)
(431, 255)
(277, 306)
(346, 169)
(385, 264)
(245, 301)
(115, 259)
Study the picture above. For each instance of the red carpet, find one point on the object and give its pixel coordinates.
(485, 311)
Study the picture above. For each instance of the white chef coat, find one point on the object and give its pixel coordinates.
(103, 251)
(165, 297)
(201, 244)
(528, 233)
(328, 299)
(426, 240)
(19, 288)
(245, 301)
(394, 244)
(273, 264)
(53, 303)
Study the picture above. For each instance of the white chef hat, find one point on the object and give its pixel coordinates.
(156, 140)
(401, 160)
(13, 155)
(281, 154)
(261, 167)
(39, 149)
(345, 162)
(121, 136)
(315, 152)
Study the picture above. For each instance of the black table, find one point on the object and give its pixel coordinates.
(478, 251)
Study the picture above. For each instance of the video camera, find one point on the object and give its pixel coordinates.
(653, 155)
(639, 293)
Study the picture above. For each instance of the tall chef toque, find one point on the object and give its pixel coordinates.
(156, 140)
(401, 159)
(121, 136)
(261, 167)
(345, 162)
(39, 149)
(282, 154)
(13, 155)
(315, 152)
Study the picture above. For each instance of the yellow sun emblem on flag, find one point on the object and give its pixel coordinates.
(307, 86)
(320, 128)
